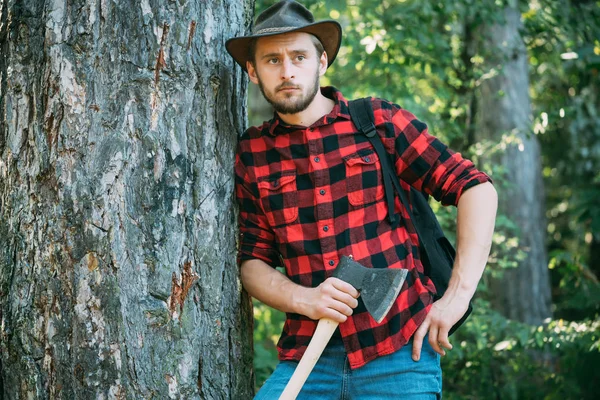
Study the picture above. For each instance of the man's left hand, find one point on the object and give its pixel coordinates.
(443, 315)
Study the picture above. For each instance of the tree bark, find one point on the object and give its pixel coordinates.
(504, 109)
(118, 123)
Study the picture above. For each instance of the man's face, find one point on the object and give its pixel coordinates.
(287, 70)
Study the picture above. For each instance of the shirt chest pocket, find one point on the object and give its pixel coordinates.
(363, 178)
(279, 197)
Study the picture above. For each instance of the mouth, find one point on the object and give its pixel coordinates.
(288, 89)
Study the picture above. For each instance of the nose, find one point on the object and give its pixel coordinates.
(287, 70)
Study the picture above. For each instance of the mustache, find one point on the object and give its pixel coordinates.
(287, 85)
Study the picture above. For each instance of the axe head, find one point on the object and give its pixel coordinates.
(378, 288)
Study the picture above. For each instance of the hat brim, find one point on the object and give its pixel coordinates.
(328, 32)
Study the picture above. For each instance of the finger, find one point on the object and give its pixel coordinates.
(334, 310)
(443, 339)
(342, 308)
(334, 315)
(344, 292)
(418, 340)
(433, 340)
(344, 287)
(346, 299)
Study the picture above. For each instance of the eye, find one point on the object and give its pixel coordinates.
(300, 58)
(273, 60)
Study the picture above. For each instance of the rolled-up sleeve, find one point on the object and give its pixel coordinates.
(256, 239)
(428, 165)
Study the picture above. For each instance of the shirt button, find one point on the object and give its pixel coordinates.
(325, 228)
(331, 262)
(322, 192)
(317, 159)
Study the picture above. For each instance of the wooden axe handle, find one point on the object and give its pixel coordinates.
(323, 333)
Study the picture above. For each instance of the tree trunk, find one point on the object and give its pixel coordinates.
(118, 123)
(504, 109)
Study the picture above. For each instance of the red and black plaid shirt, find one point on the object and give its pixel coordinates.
(309, 195)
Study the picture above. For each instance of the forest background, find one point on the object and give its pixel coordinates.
(456, 66)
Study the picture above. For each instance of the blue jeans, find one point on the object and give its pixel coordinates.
(395, 376)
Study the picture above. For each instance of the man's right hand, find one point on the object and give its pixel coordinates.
(333, 299)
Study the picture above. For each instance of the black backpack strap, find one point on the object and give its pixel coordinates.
(361, 112)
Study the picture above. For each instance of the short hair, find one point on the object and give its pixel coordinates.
(316, 42)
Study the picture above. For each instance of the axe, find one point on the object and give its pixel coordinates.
(378, 289)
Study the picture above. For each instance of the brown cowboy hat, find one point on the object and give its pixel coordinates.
(284, 17)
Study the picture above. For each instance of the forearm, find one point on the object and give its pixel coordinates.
(475, 226)
(269, 286)
(333, 299)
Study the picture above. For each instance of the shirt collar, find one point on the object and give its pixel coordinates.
(340, 110)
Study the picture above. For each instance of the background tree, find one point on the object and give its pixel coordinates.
(504, 116)
(118, 122)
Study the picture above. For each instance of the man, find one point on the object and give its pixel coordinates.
(310, 191)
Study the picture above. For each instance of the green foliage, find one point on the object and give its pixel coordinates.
(268, 324)
(578, 290)
(497, 358)
(564, 48)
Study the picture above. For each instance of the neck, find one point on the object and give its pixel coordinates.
(319, 107)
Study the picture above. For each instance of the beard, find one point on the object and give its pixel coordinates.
(292, 104)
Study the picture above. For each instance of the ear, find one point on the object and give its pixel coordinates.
(323, 64)
(252, 72)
